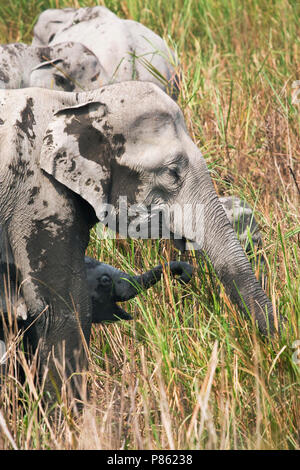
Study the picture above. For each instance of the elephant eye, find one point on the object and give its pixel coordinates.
(59, 80)
(173, 172)
(105, 280)
(64, 83)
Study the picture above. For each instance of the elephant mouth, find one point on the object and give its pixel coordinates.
(108, 312)
(121, 314)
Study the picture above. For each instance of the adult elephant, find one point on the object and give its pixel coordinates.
(126, 49)
(64, 157)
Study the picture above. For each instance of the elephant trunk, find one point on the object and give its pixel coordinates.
(234, 270)
(129, 286)
(213, 231)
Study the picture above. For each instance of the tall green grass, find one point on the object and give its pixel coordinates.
(189, 372)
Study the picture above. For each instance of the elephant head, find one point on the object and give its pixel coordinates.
(130, 140)
(52, 21)
(49, 23)
(68, 66)
(108, 285)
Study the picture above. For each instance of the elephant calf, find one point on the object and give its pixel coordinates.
(107, 285)
(68, 66)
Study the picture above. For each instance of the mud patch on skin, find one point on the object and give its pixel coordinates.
(88, 16)
(48, 138)
(119, 144)
(27, 120)
(33, 192)
(125, 181)
(21, 170)
(42, 249)
(4, 77)
(44, 54)
(92, 139)
(93, 143)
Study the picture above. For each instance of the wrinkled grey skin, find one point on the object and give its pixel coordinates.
(72, 154)
(68, 66)
(114, 41)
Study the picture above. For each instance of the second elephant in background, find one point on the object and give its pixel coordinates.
(127, 50)
(68, 66)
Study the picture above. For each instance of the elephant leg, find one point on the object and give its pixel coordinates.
(49, 252)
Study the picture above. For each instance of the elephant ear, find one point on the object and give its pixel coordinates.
(46, 63)
(76, 152)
